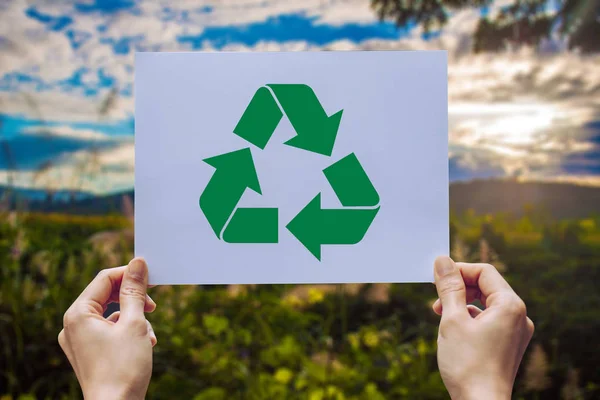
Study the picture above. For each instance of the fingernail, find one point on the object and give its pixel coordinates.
(137, 267)
(443, 266)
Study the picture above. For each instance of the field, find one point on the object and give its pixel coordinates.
(316, 342)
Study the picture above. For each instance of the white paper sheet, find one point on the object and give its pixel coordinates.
(394, 122)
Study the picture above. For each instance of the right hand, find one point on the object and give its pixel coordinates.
(479, 352)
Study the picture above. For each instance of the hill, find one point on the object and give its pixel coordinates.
(96, 205)
(559, 200)
(24, 197)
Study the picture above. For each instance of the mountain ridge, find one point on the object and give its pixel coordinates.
(558, 200)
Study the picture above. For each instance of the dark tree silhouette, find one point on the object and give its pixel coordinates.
(432, 14)
(525, 22)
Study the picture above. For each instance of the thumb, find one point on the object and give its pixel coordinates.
(132, 295)
(450, 286)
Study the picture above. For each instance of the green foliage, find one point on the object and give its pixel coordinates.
(522, 22)
(302, 342)
(432, 14)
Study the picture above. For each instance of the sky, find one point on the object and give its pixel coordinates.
(67, 70)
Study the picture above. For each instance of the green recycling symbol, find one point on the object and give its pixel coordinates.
(316, 132)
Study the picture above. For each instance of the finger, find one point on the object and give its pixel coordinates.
(149, 307)
(474, 311)
(114, 317)
(437, 307)
(62, 341)
(98, 292)
(473, 294)
(132, 295)
(450, 287)
(529, 331)
(151, 333)
(105, 288)
(487, 279)
(530, 327)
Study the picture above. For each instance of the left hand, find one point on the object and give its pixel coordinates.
(112, 357)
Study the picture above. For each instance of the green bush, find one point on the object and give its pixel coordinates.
(297, 342)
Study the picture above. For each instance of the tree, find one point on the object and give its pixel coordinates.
(429, 13)
(525, 22)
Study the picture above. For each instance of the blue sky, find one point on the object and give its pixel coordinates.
(66, 84)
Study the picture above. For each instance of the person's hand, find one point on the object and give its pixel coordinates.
(112, 357)
(479, 352)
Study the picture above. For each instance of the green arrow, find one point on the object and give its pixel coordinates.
(260, 119)
(315, 131)
(234, 173)
(252, 225)
(351, 183)
(314, 226)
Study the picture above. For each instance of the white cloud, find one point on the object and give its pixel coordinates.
(237, 12)
(97, 172)
(65, 106)
(29, 47)
(49, 55)
(525, 110)
(66, 132)
(519, 113)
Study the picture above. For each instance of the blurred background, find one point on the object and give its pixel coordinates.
(524, 156)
